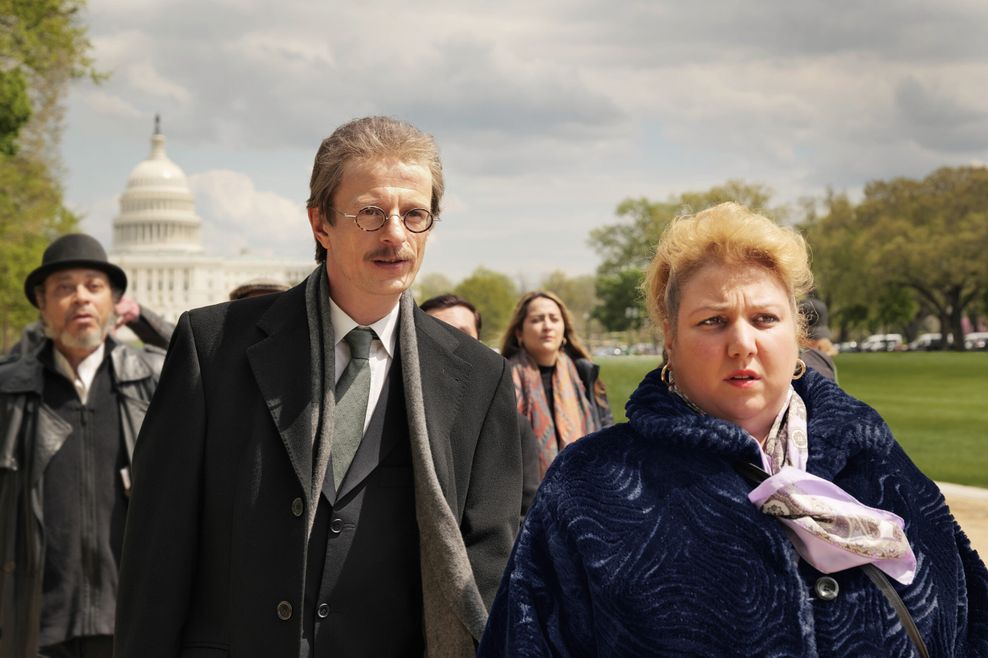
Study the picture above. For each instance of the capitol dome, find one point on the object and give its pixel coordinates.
(157, 209)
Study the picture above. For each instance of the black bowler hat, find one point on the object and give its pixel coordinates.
(69, 251)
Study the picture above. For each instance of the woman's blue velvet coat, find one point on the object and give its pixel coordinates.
(642, 542)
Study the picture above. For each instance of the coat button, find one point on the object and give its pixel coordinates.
(298, 507)
(323, 610)
(284, 611)
(826, 588)
(336, 526)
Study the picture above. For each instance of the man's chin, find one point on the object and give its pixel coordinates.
(89, 339)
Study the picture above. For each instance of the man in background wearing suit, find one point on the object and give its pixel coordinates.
(327, 471)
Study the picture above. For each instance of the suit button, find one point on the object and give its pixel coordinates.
(336, 526)
(284, 611)
(322, 610)
(298, 507)
(826, 588)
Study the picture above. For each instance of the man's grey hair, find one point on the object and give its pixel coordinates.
(368, 139)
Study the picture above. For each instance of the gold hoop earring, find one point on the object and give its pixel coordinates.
(666, 375)
(800, 369)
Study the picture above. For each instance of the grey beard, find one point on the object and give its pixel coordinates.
(88, 340)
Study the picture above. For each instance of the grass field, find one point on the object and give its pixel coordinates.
(935, 402)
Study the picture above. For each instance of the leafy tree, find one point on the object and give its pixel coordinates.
(627, 246)
(621, 307)
(494, 295)
(909, 245)
(931, 236)
(840, 252)
(31, 215)
(15, 109)
(579, 295)
(43, 46)
(895, 306)
(46, 43)
(430, 285)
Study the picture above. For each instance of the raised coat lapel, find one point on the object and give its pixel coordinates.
(281, 364)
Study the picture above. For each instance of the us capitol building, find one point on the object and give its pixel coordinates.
(156, 240)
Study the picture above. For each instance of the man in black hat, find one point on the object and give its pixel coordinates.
(70, 411)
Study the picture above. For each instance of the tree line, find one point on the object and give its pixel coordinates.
(907, 251)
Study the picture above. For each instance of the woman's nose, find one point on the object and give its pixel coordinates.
(742, 340)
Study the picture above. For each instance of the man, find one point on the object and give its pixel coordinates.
(818, 351)
(328, 470)
(460, 313)
(256, 288)
(455, 311)
(70, 411)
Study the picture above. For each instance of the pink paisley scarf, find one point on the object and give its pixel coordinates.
(829, 528)
(573, 418)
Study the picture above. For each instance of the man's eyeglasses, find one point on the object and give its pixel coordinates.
(371, 218)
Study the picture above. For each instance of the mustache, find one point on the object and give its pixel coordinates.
(391, 253)
(85, 309)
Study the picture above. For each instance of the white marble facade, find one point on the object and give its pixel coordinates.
(156, 240)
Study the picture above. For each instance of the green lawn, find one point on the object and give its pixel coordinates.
(935, 402)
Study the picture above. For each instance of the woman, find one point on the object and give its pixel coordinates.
(557, 387)
(644, 539)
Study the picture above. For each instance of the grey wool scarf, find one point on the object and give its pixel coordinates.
(454, 612)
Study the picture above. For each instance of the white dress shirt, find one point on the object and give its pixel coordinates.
(382, 350)
(83, 376)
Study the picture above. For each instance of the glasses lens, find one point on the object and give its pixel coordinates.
(370, 218)
(418, 220)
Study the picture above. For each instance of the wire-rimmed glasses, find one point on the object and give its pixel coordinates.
(371, 218)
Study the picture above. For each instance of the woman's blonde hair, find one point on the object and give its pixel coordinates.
(726, 234)
(573, 346)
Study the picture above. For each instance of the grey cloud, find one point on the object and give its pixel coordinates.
(648, 33)
(279, 96)
(937, 121)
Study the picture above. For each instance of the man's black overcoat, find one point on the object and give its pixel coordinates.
(215, 544)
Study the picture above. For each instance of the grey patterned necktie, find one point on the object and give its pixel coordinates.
(352, 392)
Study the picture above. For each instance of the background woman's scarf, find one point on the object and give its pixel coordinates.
(573, 416)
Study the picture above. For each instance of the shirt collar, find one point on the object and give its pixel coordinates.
(385, 328)
(82, 377)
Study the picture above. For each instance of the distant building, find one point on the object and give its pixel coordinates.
(156, 240)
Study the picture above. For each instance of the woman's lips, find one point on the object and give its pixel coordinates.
(742, 378)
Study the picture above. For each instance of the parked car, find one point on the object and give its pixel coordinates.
(849, 346)
(977, 340)
(927, 342)
(882, 343)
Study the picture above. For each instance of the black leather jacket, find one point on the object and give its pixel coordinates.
(30, 434)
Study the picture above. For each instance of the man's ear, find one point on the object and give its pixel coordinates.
(318, 224)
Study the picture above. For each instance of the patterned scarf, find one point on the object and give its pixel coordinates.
(829, 528)
(573, 418)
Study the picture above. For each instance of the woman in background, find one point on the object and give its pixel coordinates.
(557, 386)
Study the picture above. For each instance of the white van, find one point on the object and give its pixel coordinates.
(977, 340)
(882, 343)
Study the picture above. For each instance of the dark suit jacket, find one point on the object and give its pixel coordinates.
(214, 554)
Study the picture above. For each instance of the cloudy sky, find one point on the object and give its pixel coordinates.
(547, 113)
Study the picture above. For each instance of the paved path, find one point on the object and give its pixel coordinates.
(970, 507)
